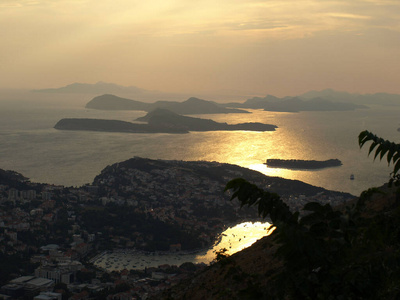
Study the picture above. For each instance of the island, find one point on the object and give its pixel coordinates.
(302, 164)
(158, 121)
(191, 106)
(295, 104)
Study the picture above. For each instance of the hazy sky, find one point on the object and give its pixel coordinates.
(278, 47)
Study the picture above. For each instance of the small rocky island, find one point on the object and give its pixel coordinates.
(302, 164)
(158, 121)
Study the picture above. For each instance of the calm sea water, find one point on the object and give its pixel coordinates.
(31, 146)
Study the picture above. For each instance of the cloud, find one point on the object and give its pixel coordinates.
(178, 40)
(348, 16)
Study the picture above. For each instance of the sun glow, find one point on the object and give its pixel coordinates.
(276, 47)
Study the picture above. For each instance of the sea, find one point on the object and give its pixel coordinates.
(31, 146)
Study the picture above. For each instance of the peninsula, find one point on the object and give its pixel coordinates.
(158, 121)
(302, 164)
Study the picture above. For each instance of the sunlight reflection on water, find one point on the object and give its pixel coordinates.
(238, 237)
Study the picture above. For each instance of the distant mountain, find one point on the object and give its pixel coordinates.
(97, 88)
(188, 107)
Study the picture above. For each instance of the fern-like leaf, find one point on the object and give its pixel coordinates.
(385, 147)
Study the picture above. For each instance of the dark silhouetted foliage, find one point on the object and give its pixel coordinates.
(331, 253)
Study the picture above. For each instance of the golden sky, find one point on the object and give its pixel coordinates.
(269, 47)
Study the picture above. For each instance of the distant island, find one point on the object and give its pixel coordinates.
(158, 121)
(302, 164)
(296, 104)
(189, 107)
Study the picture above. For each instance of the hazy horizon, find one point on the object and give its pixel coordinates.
(282, 48)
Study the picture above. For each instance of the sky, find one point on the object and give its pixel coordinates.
(281, 48)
